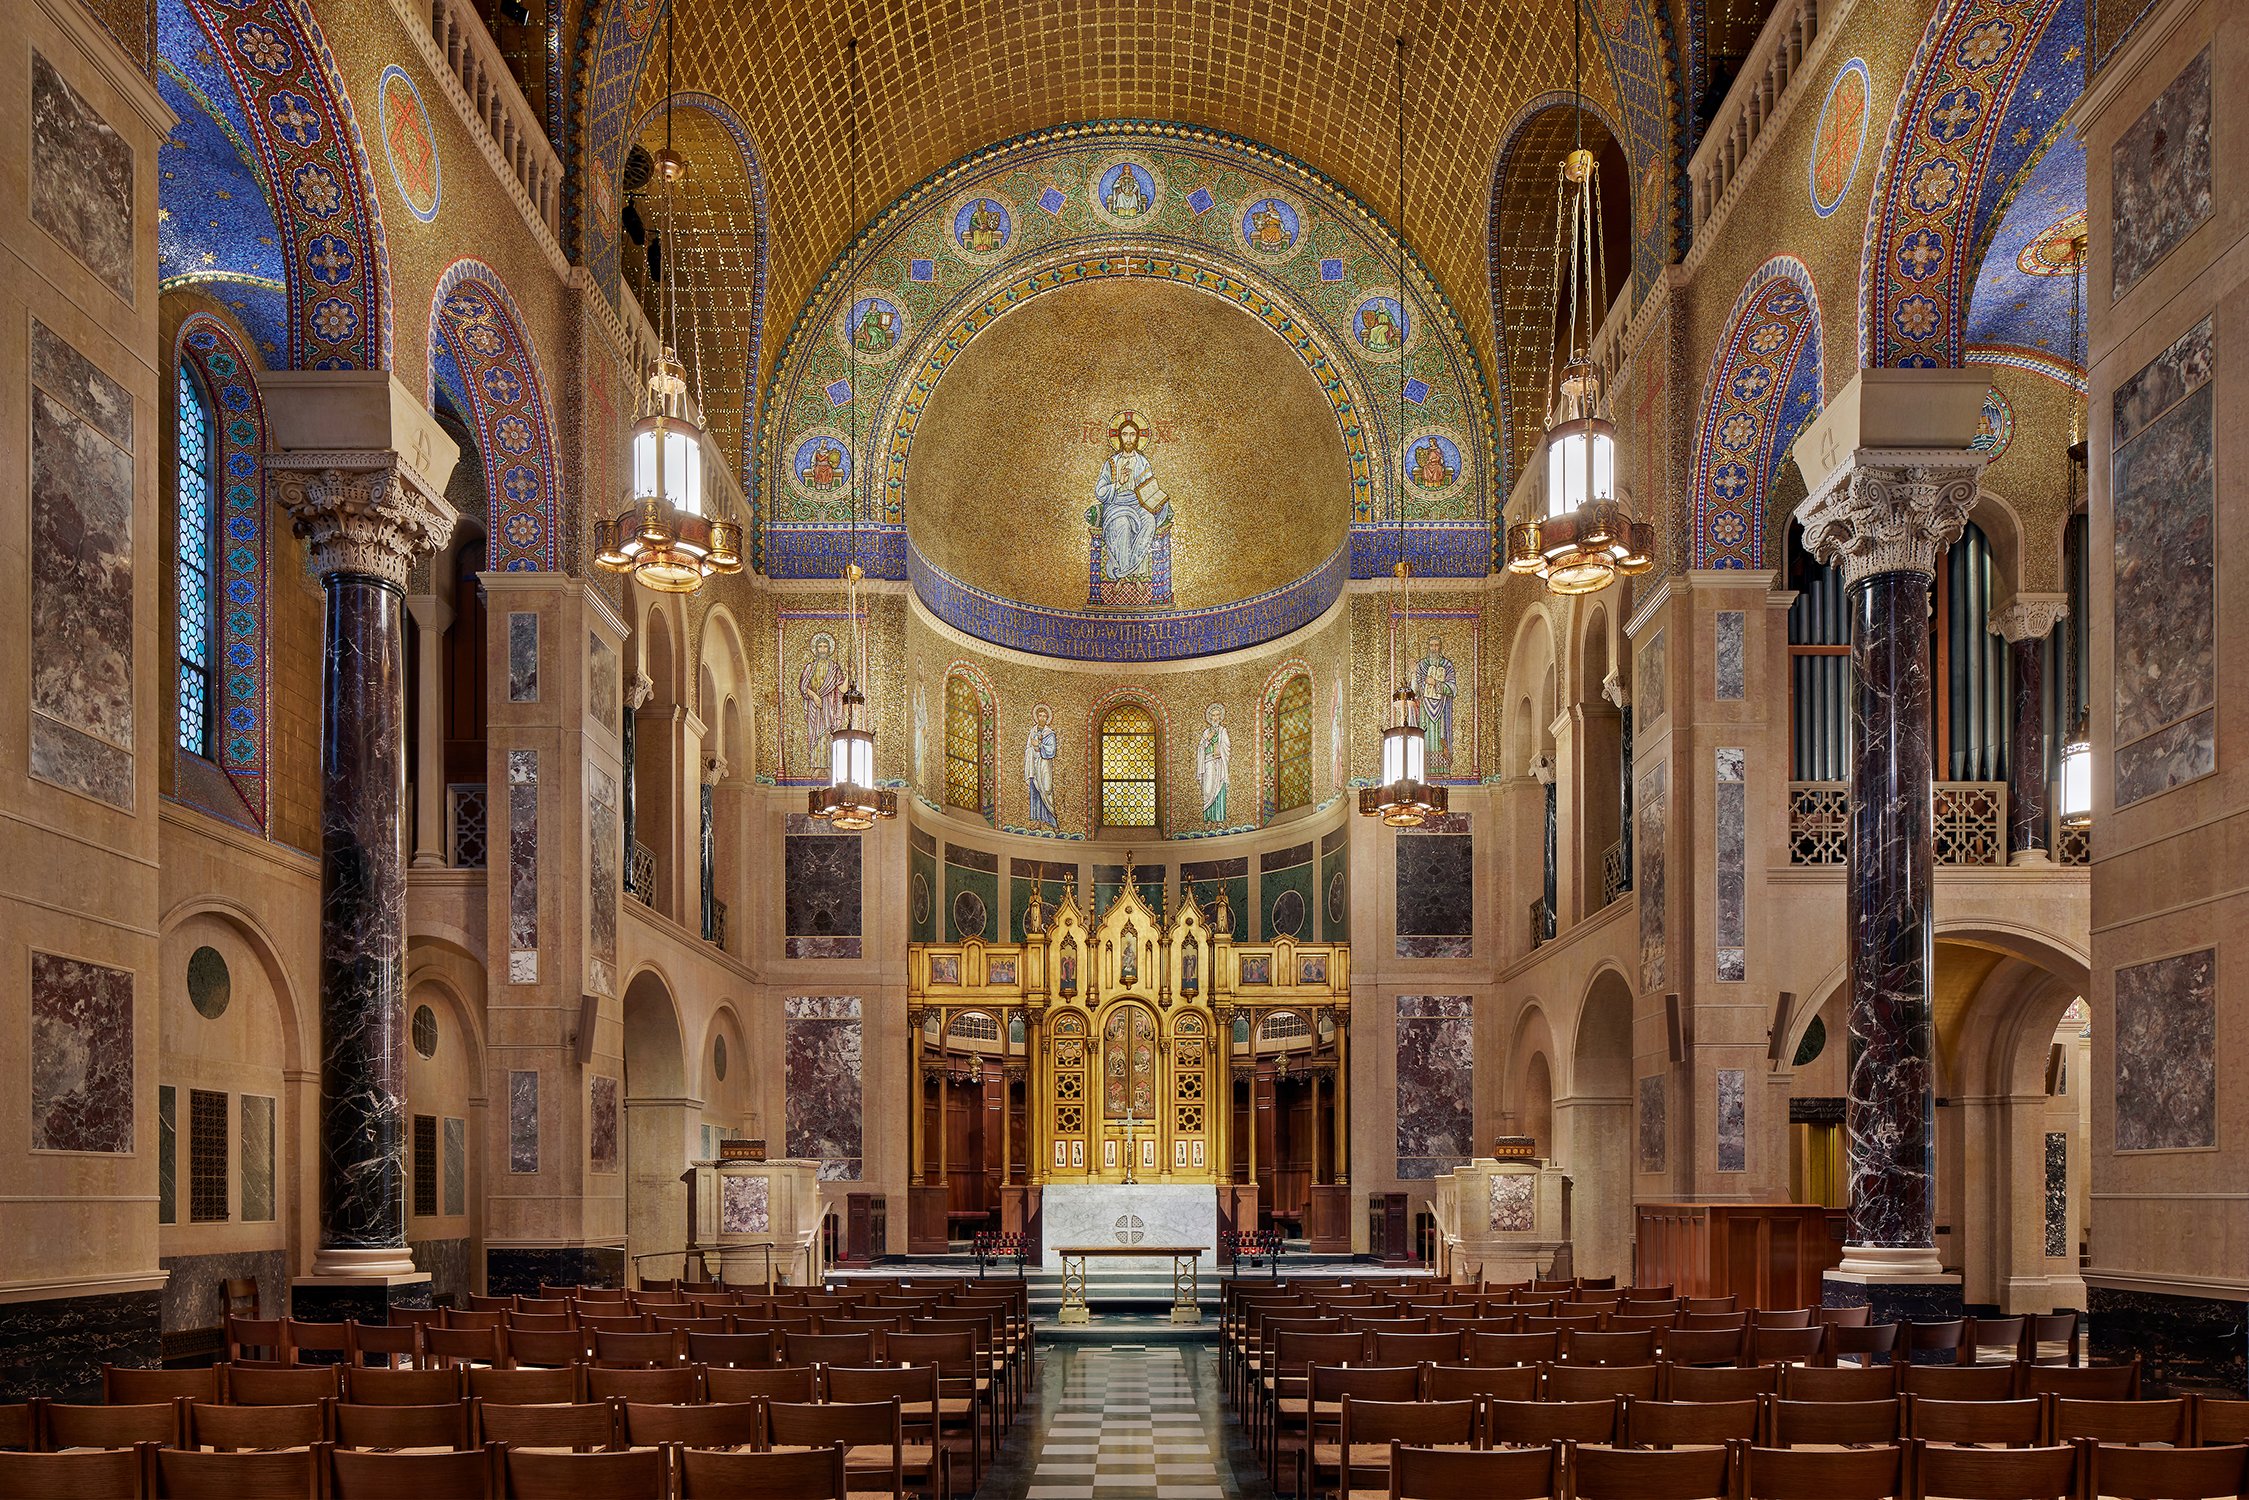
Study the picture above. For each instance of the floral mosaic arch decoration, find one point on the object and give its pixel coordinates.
(474, 323)
(289, 103)
(1763, 387)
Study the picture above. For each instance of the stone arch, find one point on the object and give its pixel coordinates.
(474, 324)
(1593, 1124)
(732, 1099)
(1528, 705)
(1996, 517)
(1527, 1100)
(1764, 386)
(659, 1124)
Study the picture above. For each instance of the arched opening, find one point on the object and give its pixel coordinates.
(660, 1130)
(1593, 1128)
(1600, 732)
(651, 802)
(444, 1187)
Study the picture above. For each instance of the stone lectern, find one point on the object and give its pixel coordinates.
(1501, 1221)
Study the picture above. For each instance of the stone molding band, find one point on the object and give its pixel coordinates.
(362, 511)
(1891, 510)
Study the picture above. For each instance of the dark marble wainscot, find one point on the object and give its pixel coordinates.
(1899, 1302)
(194, 1297)
(821, 1043)
(1733, 1122)
(2057, 1193)
(523, 864)
(604, 878)
(523, 657)
(81, 1055)
(1436, 1085)
(1648, 837)
(2166, 1053)
(57, 1346)
(520, 1270)
(346, 1301)
(1437, 889)
(447, 1262)
(81, 178)
(1654, 1126)
(2184, 1343)
(2159, 181)
(820, 890)
(1732, 655)
(601, 1124)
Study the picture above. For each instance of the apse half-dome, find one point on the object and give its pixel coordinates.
(1128, 469)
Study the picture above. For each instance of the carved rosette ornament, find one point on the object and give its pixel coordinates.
(360, 511)
(1891, 510)
(2028, 619)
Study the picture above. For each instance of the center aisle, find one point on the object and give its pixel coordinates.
(1126, 1422)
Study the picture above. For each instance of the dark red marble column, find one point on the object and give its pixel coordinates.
(2024, 624)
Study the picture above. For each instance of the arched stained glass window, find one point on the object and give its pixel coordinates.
(196, 490)
(1292, 745)
(1128, 767)
(965, 774)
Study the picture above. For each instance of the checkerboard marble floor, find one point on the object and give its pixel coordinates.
(1126, 1423)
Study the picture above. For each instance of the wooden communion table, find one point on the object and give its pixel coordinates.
(1184, 1307)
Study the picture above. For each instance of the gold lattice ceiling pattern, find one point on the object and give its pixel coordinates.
(1312, 78)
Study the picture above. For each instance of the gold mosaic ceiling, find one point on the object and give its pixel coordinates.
(1311, 78)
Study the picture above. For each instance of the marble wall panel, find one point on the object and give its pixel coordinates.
(81, 179)
(745, 1205)
(1435, 1083)
(604, 689)
(1732, 655)
(2166, 1053)
(1513, 1209)
(1733, 863)
(523, 1120)
(456, 1165)
(167, 1155)
(1437, 890)
(1654, 1133)
(257, 1158)
(195, 1289)
(82, 595)
(601, 1124)
(523, 864)
(821, 1047)
(447, 1262)
(604, 878)
(2159, 176)
(523, 657)
(820, 873)
(1647, 839)
(2057, 1193)
(57, 1346)
(1733, 1121)
(1650, 682)
(81, 1055)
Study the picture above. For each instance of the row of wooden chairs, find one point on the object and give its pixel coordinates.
(325, 1472)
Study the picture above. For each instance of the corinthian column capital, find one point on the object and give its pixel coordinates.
(360, 511)
(1890, 510)
(2029, 617)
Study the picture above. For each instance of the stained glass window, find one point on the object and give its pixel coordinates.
(1128, 767)
(1292, 745)
(964, 742)
(198, 585)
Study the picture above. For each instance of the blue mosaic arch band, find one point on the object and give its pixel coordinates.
(1764, 386)
(315, 165)
(229, 377)
(617, 51)
(1984, 89)
(1652, 89)
(475, 321)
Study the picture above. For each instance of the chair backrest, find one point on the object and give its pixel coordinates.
(362, 1425)
(1668, 1424)
(70, 1426)
(828, 1348)
(1993, 1424)
(1661, 1322)
(1423, 1423)
(639, 1349)
(2125, 1472)
(1414, 1348)
(526, 1387)
(1494, 1474)
(1638, 1304)
(227, 1428)
(1778, 1346)
(188, 1475)
(815, 1474)
(117, 1474)
(524, 1322)
(2221, 1419)
(716, 1424)
(496, 1317)
(1853, 1383)
(914, 1387)
(466, 1474)
(1600, 1382)
(586, 1476)
(1920, 1339)
(263, 1334)
(1993, 1473)
(1690, 1383)
(1456, 1382)
(545, 1348)
(1693, 1306)
(246, 1386)
(1293, 1352)
(2085, 1383)
(856, 1424)
(1366, 1382)
(1518, 1423)
(2120, 1422)
(1600, 1472)
(2049, 1329)
(1789, 1424)
(954, 1354)
(1702, 1346)
(1958, 1382)
(479, 1302)
(384, 1338)
(300, 1334)
(1607, 1348)
(1736, 1321)
(741, 1350)
(581, 1425)
(125, 1386)
(1862, 1341)
(788, 1383)
(1846, 1317)
(688, 1322)
(1512, 1348)
(620, 1321)
(1996, 1333)
(371, 1387)
(667, 1383)
(462, 1345)
(1824, 1473)
(1781, 1317)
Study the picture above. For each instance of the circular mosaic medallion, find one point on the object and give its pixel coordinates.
(1840, 140)
(409, 144)
(874, 330)
(1273, 227)
(820, 468)
(2053, 250)
(1288, 914)
(968, 915)
(1127, 191)
(1434, 468)
(209, 986)
(424, 1031)
(1998, 426)
(920, 898)
(718, 1057)
(1381, 326)
(980, 227)
(1337, 904)
(1813, 1044)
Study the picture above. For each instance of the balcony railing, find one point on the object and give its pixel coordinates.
(717, 933)
(1968, 822)
(1542, 922)
(453, 41)
(1774, 62)
(640, 874)
(2073, 846)
(1616, 875)
(464, 825)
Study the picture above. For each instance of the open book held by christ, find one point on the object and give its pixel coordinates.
(1150, 495)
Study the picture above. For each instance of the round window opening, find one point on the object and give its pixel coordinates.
(209, 986)
(718, 1057)
(425, 1031)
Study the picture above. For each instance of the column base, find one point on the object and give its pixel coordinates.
(1894, 1299)
(368, 1299)
(2034, 858)
(358, 1265)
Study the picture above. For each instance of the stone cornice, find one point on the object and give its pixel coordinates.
(1890, 510)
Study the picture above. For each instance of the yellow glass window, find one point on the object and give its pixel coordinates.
(1292, 745)
(964, 726)
(1128, 767)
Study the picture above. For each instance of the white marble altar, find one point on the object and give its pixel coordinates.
(1102, 1214)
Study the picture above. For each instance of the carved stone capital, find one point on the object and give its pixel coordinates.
(639, 691)
(714, 769)
(1890, 510)
(1613, 689)
(2029, 617)
(360, 511)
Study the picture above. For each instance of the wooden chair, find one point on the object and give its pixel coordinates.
(2084, 1382)
(1824, 1473)
(1534, 1424)
(584, 1476)
(1369, 1430)
(181, 1474)
(2119, 1423)
(64, 1425)
(446, 1348)
(812, 1474)
(1449, 1474)
(1919, 1341)
(871, 1433)
(250, 1386)
(828, 1348)
(19, 1426)
(717, 1424)
(391, 1345)
(2120, 1472)
(1318, 1412)
(1958, 1382)
(1992, 1473)
(786, 1383)
(1845, 1317)
(1694, 1306)
(2220, 1419)
(1795, 1424)
(1284, 1379)
(1737, 1321)
(478, 1302)
(645, 1350)
(1601, 1382)
(1786, 1346)
(1596, 1471)
(582, 1426)
(228, 1429)
(330, 1340)
(743, 1351)
(1848, 1383)
(1672, 1424)
(1417, 1348)
(495, 1316)
(2054, 1338)
(1860, 1343)
(675, 1385)
(926, 1462)
(1461, 1382)
(123, 1385)
(265, 1336)
(465, 1474)
(1693, 1383)
(1513, 1348)
(544, 1349)
(1994, 1339)
(523, 1322)
(362, 1425)
(380, 1387)
(1701, 1346)
(502, 1387)
(1607, 1348)
(620, 1321)
(1782, 1317)
(1986, 1424)
(113, 1474)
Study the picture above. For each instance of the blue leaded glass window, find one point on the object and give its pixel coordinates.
(198, 584)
